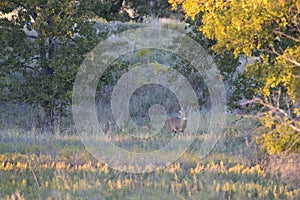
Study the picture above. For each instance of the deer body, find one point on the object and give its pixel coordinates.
(178, 124)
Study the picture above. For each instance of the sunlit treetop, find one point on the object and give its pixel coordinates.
(269, 29)
(244, 25)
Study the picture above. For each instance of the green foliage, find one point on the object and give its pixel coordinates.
(279, 141)
(43, 45)
(160, 8)
(44, 42)
(226, 62)
(268, 32)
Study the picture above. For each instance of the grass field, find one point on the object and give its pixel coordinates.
(42, 166)
(59, 167)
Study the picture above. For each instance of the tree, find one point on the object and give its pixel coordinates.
(269, 32)
(158, 8)
(43, 44)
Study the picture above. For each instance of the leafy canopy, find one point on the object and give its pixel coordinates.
(43, 44)
(267, 31)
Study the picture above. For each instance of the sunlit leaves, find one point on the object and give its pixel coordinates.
(269, 31)
(241, 26)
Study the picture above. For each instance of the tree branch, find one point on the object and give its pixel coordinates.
(286, 58)
(286, 35)
(294, 143)
(296, 76)
(273, 109)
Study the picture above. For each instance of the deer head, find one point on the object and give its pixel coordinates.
(178, 124)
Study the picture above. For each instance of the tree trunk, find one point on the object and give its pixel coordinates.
(48, 124)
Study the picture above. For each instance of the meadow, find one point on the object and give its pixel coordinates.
(35, 165)
(62, 57)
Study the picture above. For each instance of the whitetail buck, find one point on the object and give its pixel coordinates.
(178, 124)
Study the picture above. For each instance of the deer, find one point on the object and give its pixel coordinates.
(178, 124)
